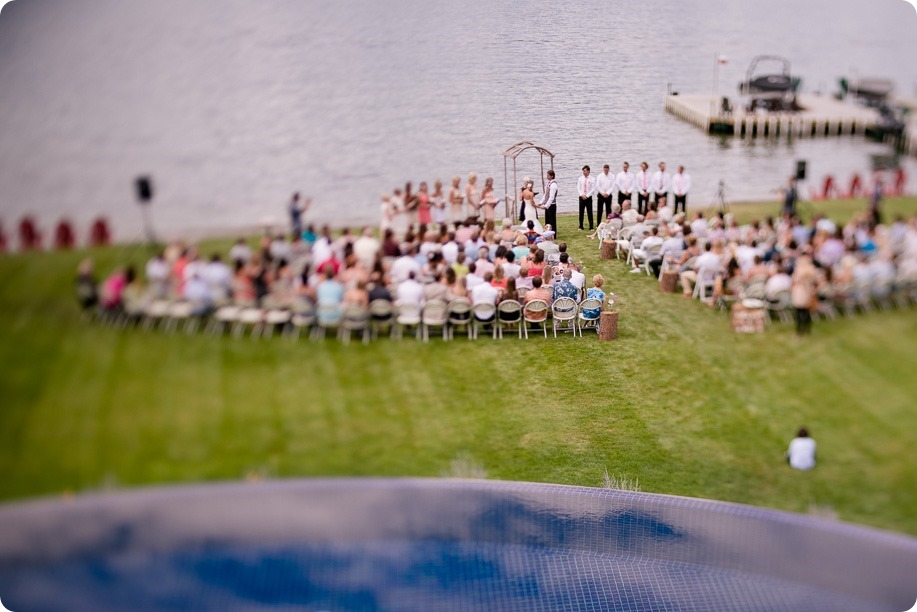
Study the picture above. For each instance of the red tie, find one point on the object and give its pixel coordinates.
(584, 185)
(644, 181)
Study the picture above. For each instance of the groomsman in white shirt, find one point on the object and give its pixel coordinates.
(660, 185)
(642, 181)
(624, 181)
(605, 185)
(585, 187)
(681, 183)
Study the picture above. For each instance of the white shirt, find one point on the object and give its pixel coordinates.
(450, 252)
(578, 279)
(802, 453)
(660, 182)
(585, 186)
(240, 252)
(511, 270)
(643, 182)
(708, 260)
(485, 292)
(157, 270)
(681, 183)
(550, 196)
(402, 268)
(624, 181)
(365, 248)
(410, 292)
(699, 228)
(605, 183)
(218, 277)
(472, 280)
(629, 216)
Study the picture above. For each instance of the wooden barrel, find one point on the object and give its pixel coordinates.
(609, 249)
(608, 325)
(668, 281)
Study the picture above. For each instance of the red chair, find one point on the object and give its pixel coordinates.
(856, 187)
(99, 234)
(29, 237)
(64, 237)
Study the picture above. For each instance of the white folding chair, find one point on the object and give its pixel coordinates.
(381, 317)
(407, 315)
(563, 315)
(535, 313)
(435, 314)
(585, 319)
(354, 318)
(482, 315)
(509, 313)
(459, 317)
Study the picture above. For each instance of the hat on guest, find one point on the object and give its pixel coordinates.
(548, 234)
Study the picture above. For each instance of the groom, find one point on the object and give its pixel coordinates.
(549, 202)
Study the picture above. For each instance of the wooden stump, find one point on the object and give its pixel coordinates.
(748, 320)
(668, 282)
(609, 249)
(608, 325)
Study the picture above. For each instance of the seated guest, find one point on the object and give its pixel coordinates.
(329, 293)
(377, 288)
(485, 292)
(437, 290)
(595, 293)
(577, 278)
(520, 247)
(499, 280)
(530, 234)
(460, 267)
(564, 288)
(87, 291)
(410, 291)
(537, 292)
(709, 260)
(537, 266)
(511, 269)
(472, 279)
(483, 263)
(510, 292)
(801, 453)
(548, 245)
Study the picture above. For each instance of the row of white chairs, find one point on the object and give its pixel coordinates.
(434, 317)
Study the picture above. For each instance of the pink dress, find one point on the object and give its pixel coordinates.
(423, 209)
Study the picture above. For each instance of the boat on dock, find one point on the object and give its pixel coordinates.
(774, 91)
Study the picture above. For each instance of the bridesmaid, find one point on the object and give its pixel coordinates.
(438, 202)
(488, 200)
(423, 205)
(456, 198)
(473, 195)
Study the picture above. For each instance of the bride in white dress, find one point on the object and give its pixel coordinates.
(530, 210)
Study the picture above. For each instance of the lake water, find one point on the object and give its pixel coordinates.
(231, 106)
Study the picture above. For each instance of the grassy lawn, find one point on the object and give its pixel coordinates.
(678, 401)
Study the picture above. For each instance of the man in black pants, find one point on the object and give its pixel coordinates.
(549, 202)
(585, 187)
(604, 185)
(643, 188)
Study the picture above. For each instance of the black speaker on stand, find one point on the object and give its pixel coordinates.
(144, 189)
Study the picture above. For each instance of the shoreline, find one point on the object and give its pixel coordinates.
(196, 234)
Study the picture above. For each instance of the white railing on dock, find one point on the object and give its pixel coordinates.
(822, 117)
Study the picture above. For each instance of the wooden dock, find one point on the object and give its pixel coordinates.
(821, 116)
